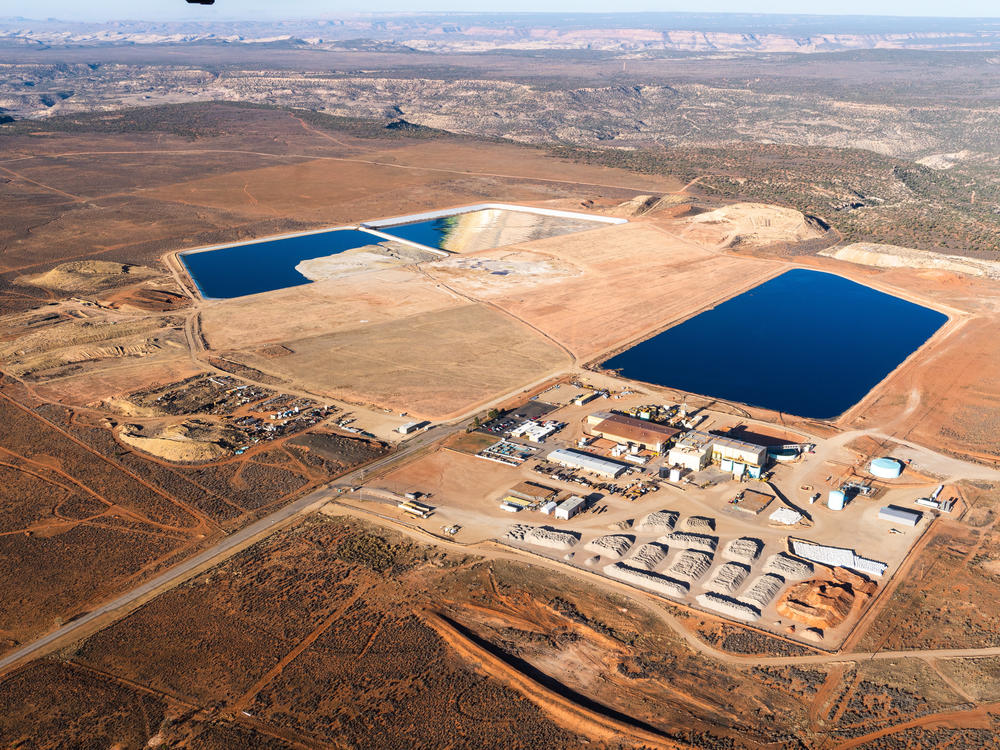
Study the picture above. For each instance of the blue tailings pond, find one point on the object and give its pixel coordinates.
(470, 231)
(806, 343)
(430, 233)
(268, 265)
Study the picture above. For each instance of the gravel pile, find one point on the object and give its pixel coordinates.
(690, 565)
(762, 590)
(727, 578)
(543, 536)
(650, 581)
(728, 607)
(745, 549)
(684, 540)
(611, 545)
(648, 556)
(788, 567)
(662, 521)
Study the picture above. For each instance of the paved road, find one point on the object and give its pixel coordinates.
(220, 551)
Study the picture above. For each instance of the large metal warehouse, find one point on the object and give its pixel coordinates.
(587, 462)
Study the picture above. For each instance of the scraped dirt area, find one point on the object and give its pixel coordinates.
(436, 364)
(751, 225)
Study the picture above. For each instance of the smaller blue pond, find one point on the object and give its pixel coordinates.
(805, 343)
(267, 265)
(429, 233)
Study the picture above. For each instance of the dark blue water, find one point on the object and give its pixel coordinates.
(805, 343)
(430, 233)
(268, 265)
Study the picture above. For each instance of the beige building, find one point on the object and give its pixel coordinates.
(693, 450)
(738, 451)
(631, 431)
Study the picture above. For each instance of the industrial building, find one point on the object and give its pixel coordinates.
(631, 431)
(537, 493)
(691, 451)
(570, 507)
(536, 432)
(587, 462)
(903, 516)
(695, 450)
(739, 457)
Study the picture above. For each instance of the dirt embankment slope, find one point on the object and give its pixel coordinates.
(751, 225)
(90, 276)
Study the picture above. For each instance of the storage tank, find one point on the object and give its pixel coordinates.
(836, 500)
(885, 468)
(675, 475)
(783, 454)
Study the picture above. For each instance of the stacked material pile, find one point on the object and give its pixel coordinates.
(690, 565)
(650, 581)
(763, 589)
(745, 549)
(542, 536)
(724, 605)
(727, 578)
(684, 540)
(610, 545)
(699, 524)
(662, 521)
(788, 567)
(648, 556)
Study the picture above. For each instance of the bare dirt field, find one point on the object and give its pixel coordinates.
(436, 365)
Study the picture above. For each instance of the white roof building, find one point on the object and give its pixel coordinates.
(569, 507)
(587, 462)
(536, 432)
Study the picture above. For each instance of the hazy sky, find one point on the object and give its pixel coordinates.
(99, 10)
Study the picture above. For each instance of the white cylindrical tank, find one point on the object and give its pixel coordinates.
(836, 500)
(675, 475)
(885, 468)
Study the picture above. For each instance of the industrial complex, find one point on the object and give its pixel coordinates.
(721, 514)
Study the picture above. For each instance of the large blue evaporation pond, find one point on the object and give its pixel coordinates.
(429, 233)
(268, 265)
(806, 343)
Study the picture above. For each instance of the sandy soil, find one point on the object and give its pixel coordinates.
(189, 441)
(435, 364)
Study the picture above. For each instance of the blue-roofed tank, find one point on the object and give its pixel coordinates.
(836, 500)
